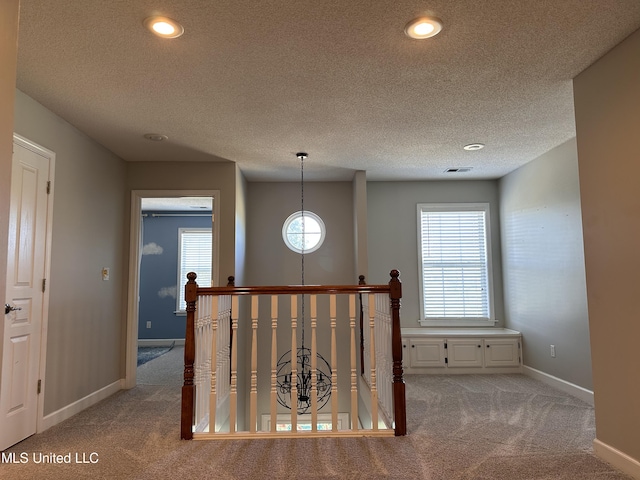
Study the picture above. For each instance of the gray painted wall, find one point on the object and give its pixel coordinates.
(607, 104)
(543, 259)
(269, 260)
(193, 176)
(241, 229)
(86, 314)
(393, 234)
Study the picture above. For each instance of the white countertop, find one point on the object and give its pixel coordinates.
(457, 332)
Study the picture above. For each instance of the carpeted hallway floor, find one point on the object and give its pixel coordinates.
(460, 427)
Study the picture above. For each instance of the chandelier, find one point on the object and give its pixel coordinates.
(304, 374)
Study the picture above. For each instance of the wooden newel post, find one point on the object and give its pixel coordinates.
(188, 388)
(361, 282)
(399, 399)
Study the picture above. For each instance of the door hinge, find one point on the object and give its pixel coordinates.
(39, 386)
(446, 360)
(48, 187)
(445, 345)
(44, 284)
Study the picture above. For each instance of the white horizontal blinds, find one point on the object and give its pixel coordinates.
(195, 247)
(454, 264)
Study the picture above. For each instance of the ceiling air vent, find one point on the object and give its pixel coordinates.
(458, 170)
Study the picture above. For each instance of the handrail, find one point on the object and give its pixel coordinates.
(293, 289)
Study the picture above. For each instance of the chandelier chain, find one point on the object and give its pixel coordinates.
(302, 156)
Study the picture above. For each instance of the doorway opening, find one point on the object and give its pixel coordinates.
(170, 231)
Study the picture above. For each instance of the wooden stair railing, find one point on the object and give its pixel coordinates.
(393, 290)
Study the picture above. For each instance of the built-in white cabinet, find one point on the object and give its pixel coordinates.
(426, 352)
(502, 352)
(461, 350)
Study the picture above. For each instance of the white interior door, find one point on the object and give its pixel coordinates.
(25, 299)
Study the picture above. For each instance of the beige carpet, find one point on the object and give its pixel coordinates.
(460, 427)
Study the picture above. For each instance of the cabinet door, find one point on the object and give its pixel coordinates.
(464, 352)
(427, 352)
(502, 352)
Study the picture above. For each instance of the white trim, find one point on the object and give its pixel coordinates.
(135, 247)
(567, 387)
(618, 459)
(160, 342)
(34, 147)
(80, 405)
(459, 322)
(300, 214)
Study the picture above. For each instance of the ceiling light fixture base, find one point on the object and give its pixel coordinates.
(155, 137)
(474, 146)
(164, 27)
(423, 27)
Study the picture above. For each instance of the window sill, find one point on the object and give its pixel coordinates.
(180, 313)
(455, 322)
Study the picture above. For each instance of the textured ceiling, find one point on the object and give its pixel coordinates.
(255, 82)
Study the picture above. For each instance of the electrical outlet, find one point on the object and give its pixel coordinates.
(149, 324)
(553, 351)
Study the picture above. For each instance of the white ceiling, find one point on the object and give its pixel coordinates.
(255, 82)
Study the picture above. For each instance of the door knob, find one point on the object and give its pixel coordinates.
(8, 308)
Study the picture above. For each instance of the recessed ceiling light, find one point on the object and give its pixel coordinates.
(474, 146)
(155, 137)
(164, 27)
(423, 27)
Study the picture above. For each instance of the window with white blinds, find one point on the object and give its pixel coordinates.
(455, 277)
(195, 255)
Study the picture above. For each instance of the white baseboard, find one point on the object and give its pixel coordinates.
(76, 407)
(615, 457)
(159, 342)
(567, 387)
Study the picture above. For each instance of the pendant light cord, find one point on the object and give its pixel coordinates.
(302, 156)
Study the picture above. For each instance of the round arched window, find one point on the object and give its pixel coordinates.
(303, 232)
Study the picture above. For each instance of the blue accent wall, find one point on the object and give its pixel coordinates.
(159, 275)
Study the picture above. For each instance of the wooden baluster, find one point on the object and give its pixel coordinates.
(274, 362)
(399, 398)
(314, 363)
(253, 395)
(334, 364)
(361, 282)
(294, 363)
(372, 362)
(354, 375)
(233, 394)
(188, 388)
(213, 398)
